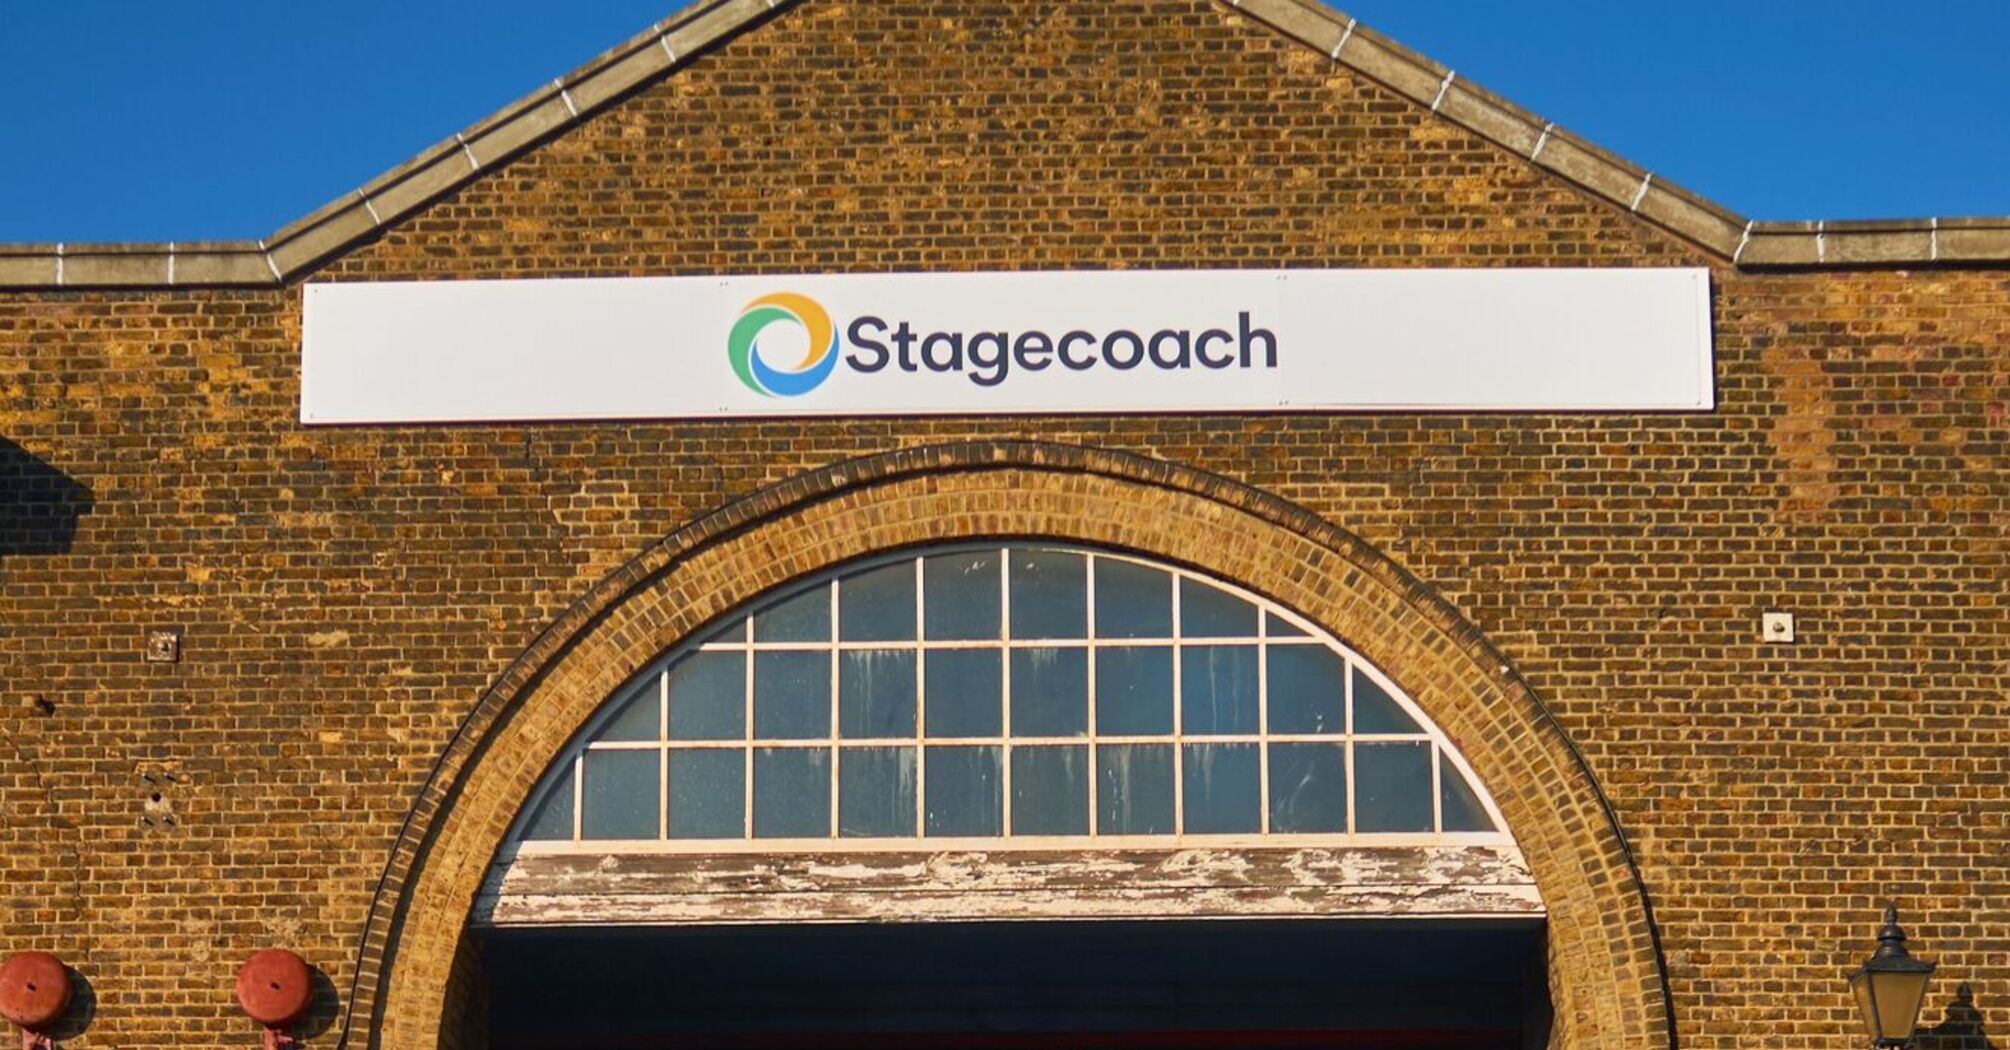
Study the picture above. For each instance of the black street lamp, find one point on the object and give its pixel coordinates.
(1890, 986)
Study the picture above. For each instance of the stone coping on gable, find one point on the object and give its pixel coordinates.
(299, 248)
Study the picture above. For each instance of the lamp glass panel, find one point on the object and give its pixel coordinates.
(1897, 995)
(1859, 986)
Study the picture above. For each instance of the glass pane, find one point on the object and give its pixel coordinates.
(792, 695)
(877, 605)
(641, 713)
(960, 593)
(708, 697)
(1132, 600)
(1308, 788)
(553, 819)
(1392, 784)
(1218, 683)
(1050, 692)
(734, 633)
(1209, 612)
(876, 693)
(620, 799)
(1458, 804)
(1050, 791)
(876, 792)
(708, 794)
(965, 693)
(1307, 694)
(965, 792)
(1278, 627)
(1134, 691)
(1050, 594)
(792, 793)
(803, 618)
(1221, 787)
(1375, 711)
(1134, 789)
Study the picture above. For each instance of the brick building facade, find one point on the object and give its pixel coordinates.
(387, 633)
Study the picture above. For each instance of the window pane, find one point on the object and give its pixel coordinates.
(1458, 804)
(792, 695)
(1279, 627)
(965, 791)
(876, 792)
(1375, 711)
(708, 794)
(1308, 788)
(641, 714)
(1050, 692)
(1393, 786)
(1307, 694)
(877, 605)
(1134, 691)
(792, 793)
(1050, 791)
(961, 596)
(876, 693)
(1221, 788)
(965, 693)
(1209, 612)
(1134, 784)
(1132, 600)
(708, 697)
(620, 799)
(1218, 683)
(803, 618)
(1050, 595)
(553, 819)
(734, 633)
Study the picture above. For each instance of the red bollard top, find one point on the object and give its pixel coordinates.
(274, 988)
(34, 989)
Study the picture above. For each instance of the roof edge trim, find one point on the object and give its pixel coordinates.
(300, 247)
(1747, 244)
(303, 245)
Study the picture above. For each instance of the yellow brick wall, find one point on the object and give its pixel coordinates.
(348, 596)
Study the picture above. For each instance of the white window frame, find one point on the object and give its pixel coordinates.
(740, 623)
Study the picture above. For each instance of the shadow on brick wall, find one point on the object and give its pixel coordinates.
(324, 1005)
(39, 505)
(1960, 1027)
(83, 1009)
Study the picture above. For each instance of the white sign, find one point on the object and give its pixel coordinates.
(1560, 340)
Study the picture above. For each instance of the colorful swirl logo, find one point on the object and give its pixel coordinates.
(743, 345)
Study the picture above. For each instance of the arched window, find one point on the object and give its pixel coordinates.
(1007, 695)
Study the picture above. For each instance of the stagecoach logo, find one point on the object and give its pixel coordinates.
(985, 358)
(743, 345)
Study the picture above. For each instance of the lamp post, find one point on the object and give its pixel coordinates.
(1890, 986)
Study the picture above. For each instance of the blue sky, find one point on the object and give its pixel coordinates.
(212, 119)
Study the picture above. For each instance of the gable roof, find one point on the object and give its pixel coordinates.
(297, 249)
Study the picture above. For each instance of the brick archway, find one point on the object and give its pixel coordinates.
(1607, 979)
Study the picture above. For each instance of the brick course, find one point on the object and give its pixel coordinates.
(348, 596)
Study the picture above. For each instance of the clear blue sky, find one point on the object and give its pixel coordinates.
(209, 119)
